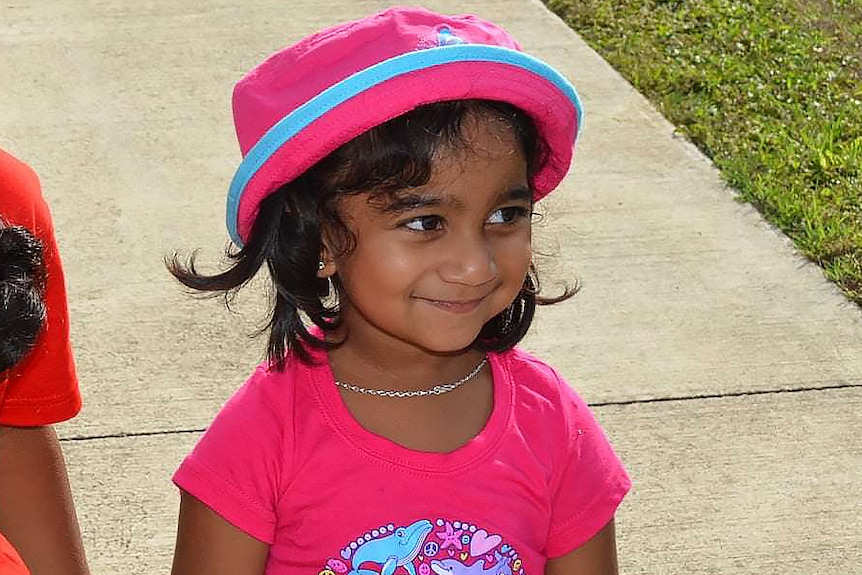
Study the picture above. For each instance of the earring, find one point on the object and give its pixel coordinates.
(320, 265)
(330, 300)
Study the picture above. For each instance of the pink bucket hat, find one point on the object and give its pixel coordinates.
(310, 98)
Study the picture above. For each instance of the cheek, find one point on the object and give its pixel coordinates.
(376, 264)
(514, 255)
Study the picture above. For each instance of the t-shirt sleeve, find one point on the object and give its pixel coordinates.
(10, 562)
(237, 466)
(43, 388)
(591, 482)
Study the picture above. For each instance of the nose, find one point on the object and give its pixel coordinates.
(470, 261)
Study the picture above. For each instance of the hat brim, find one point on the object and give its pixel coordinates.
(392, 88)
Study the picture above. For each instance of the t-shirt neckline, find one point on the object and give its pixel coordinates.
(386, 450)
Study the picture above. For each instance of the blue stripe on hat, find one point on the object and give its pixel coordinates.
(337, 94)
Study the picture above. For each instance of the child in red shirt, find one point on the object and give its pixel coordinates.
(37, 389)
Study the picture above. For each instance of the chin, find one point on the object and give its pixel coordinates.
(447, 342)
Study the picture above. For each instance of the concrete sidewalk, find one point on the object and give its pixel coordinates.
(726, 370)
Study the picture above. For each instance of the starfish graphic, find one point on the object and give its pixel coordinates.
(450, 537)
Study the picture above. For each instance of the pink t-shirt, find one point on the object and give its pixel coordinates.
(285, 462)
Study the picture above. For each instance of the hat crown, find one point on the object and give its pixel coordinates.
(307, 99)
(296, 74)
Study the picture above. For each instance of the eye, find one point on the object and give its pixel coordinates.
(424, 223)
(508, 215)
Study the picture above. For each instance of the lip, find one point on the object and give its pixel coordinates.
(455, 306)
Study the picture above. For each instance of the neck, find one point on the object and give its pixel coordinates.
(378, 361)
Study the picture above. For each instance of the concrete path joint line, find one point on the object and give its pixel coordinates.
(726, 395)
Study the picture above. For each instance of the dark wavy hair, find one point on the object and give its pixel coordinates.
(288, 230)
(22, 288)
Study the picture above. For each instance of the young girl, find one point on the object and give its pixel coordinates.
(390, 170)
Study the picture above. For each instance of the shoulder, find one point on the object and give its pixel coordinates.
(527, 365)
(43, 387)
(270, 399)
(256, 422)
(21, 201)
(16, 175)
(267, 388)
(546, 407)
(534, 378)
(241, 464)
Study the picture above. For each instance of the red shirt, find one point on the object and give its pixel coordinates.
(10, 562)
(43, 388)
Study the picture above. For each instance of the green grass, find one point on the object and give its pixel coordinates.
(771, 91)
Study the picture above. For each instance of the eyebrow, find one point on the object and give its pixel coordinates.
(406, 202)
(521, 193)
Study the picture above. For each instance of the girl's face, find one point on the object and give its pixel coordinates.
(432, 267)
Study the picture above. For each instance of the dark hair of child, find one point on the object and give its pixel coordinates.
(22, 287)
(288, 231)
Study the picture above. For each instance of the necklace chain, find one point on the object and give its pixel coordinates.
(436, 390)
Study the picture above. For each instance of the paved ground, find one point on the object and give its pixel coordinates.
(726, 370)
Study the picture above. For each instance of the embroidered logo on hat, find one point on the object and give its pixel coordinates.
(445, 37)
(442, 37)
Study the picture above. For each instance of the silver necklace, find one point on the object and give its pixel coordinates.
(436, 390)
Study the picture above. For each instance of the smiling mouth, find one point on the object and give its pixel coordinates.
(460, 307)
